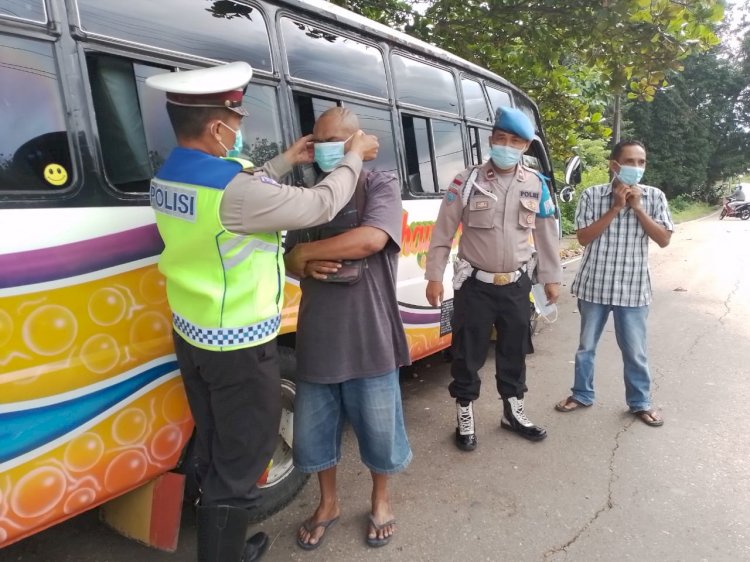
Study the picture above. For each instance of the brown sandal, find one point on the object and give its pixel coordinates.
(570, 404)
(649, 417)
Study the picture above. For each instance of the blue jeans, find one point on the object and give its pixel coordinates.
(373, 407)
(630, 330)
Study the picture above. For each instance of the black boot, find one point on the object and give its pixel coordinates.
(466, 439)
(514, 419)
(221, 535)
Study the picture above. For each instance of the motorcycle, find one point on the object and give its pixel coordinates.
(733, 208)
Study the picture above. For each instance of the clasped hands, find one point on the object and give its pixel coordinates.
(627, 195)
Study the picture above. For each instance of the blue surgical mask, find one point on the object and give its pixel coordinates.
(328, 155)
(505, 156)
(236, 149)
(630, 175)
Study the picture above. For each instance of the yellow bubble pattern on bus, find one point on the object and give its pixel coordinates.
(65, 338)
(61, 342)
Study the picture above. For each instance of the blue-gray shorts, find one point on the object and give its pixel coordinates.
(371, 405)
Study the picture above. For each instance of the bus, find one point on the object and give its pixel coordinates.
(91, 401)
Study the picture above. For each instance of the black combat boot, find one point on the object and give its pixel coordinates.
(514, 419)
(221, 536)
(466, 439)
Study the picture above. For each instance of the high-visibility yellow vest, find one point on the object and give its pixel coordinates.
(225, 290)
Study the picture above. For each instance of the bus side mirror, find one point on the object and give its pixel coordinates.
(573, 169)
(567, 193)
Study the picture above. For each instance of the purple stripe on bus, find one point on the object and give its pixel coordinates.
(413, 318)
(68, 260)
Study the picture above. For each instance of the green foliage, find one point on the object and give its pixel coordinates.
(680, 203)
(698, 132)
(569, 55)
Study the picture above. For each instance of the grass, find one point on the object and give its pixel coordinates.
(692, 211)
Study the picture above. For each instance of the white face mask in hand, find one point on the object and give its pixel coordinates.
(546, 311)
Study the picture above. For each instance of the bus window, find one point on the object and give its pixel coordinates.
(220, 30)
(371, 120)
(418, 161)
(475, 105)
(434, 153)
(261, 130)
(319, 56)
(498, 98)
(31, 10)
(309, 108)
(378, 122)
(34, 151)
(449, 152)
(480, 145)
(527, 109)
(122, 136)
(425, 85)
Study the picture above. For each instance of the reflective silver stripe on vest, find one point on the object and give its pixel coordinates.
(224, 337)
(250, 247)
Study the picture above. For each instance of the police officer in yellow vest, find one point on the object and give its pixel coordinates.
(499, 205)
(220, 220)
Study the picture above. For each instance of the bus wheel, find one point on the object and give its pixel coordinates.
(284, 481)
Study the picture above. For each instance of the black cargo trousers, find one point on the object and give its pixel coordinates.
(479, 306)
(235, 399)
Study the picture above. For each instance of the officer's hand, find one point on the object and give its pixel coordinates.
(552, 290)
(434, 293)
(364, 145)
(321, 269)
(620, 195)
(301, 152)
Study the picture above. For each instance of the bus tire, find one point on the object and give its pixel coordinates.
(284, 480)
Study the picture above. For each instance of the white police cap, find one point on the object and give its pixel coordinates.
(218, 86)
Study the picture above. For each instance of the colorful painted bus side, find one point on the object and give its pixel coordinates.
(91, 402)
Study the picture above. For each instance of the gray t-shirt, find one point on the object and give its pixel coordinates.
(355, 331)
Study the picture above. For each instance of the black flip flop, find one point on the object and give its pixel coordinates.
(649, 417)
(570, 400)
(376, 542)
(310, 527)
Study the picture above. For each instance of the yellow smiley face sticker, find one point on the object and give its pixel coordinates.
(55, 174)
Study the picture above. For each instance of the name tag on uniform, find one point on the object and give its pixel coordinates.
(482, 205)
(179, 202)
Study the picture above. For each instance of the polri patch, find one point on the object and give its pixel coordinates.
(266, 179)
(533, 194)
(451, 196)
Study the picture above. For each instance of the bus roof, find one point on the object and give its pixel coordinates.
(368, 26)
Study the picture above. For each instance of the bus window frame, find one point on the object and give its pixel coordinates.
(341, 32)
(48, 19)
(452, 70)
(148, 52)
(471, 120)
(408, 193)
(21, 198)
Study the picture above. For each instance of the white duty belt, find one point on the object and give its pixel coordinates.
(498, 278)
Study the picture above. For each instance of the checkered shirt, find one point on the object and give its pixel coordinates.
(614, 268)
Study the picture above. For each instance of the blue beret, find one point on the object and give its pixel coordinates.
(514, 121)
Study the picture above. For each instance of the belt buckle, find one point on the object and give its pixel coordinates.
(501, 278)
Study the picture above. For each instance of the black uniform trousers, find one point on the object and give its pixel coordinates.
(235, 399)
(477, 307)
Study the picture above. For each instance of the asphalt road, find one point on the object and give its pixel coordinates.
(602, 486)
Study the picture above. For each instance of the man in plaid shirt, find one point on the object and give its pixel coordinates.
(614, 222)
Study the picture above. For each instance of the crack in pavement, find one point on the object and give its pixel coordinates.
(608, 505)
(728, 300)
